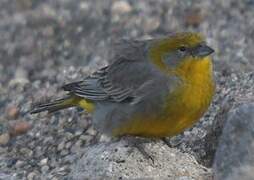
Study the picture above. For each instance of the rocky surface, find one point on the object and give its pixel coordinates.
(45, 44)
(234, 157)
(121, 160)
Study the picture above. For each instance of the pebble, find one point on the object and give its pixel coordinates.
(19, 128)
(31, 176)
(3, 149)
(86, 138)
(69, 135)
(91, 131)
(78, 133)
(194, 18)
(68, 145)
(83, 123)
(76, 147)
(84, 6)
(12, 112)
(44, 161)
(20, 78)
(64, 152)
(61, 146)
(121, 7)
(4, 138)
(151, 24)
(70, 158)
(19, 164)
(44, 169)
(26, 152)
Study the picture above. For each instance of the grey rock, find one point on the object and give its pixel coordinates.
(234, 157)
(115, 160)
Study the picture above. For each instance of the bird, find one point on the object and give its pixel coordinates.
(151, 88)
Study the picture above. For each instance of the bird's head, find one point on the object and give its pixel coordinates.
(181, 53)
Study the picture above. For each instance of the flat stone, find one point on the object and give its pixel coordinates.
(116, 160)
(234, 156)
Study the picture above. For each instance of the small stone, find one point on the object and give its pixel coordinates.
(86, 138)
(4, 138)
(70, 158)
(38, 151)
(19, 163)
(44, 161)
(83, 123)
(78, 133)
(64, 152)
(48, 140)
(151, 24)
(121, 7)
(19, 128)
(91, 131)
(104, 138)
(44, 169)
(68, 145)
(26, 152)
(194, 18)
(69, 135)
(76, 147)
(12, 112)
(31, 176)
(20, 78)
(61, 169)
(84, 6)
(3, 150)
(61, 146)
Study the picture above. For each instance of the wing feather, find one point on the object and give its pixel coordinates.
(122, 79)
(97, 87)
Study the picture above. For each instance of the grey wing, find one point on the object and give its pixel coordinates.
(99, 87)
(118, 82)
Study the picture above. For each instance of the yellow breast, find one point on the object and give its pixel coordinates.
(183, 107)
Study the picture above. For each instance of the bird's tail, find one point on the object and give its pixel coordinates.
(56, 105)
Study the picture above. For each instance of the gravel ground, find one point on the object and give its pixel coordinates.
(45, 44)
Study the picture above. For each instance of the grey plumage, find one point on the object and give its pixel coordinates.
(130, 85)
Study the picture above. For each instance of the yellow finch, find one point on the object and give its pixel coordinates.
(152, 88)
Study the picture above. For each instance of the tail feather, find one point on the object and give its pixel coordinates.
(54, 106)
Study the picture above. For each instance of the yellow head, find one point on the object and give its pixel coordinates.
(181, 54)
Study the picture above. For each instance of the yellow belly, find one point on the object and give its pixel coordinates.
(171, 123)
(161, 127)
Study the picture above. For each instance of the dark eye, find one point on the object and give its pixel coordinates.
(182, 49)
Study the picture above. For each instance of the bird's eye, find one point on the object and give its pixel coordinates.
(182, 49)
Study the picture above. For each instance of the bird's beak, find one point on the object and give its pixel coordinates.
(202, 50)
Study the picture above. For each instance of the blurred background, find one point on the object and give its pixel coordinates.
(38, 35)
(46, 43)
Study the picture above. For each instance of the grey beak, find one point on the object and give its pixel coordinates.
(202, 50)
